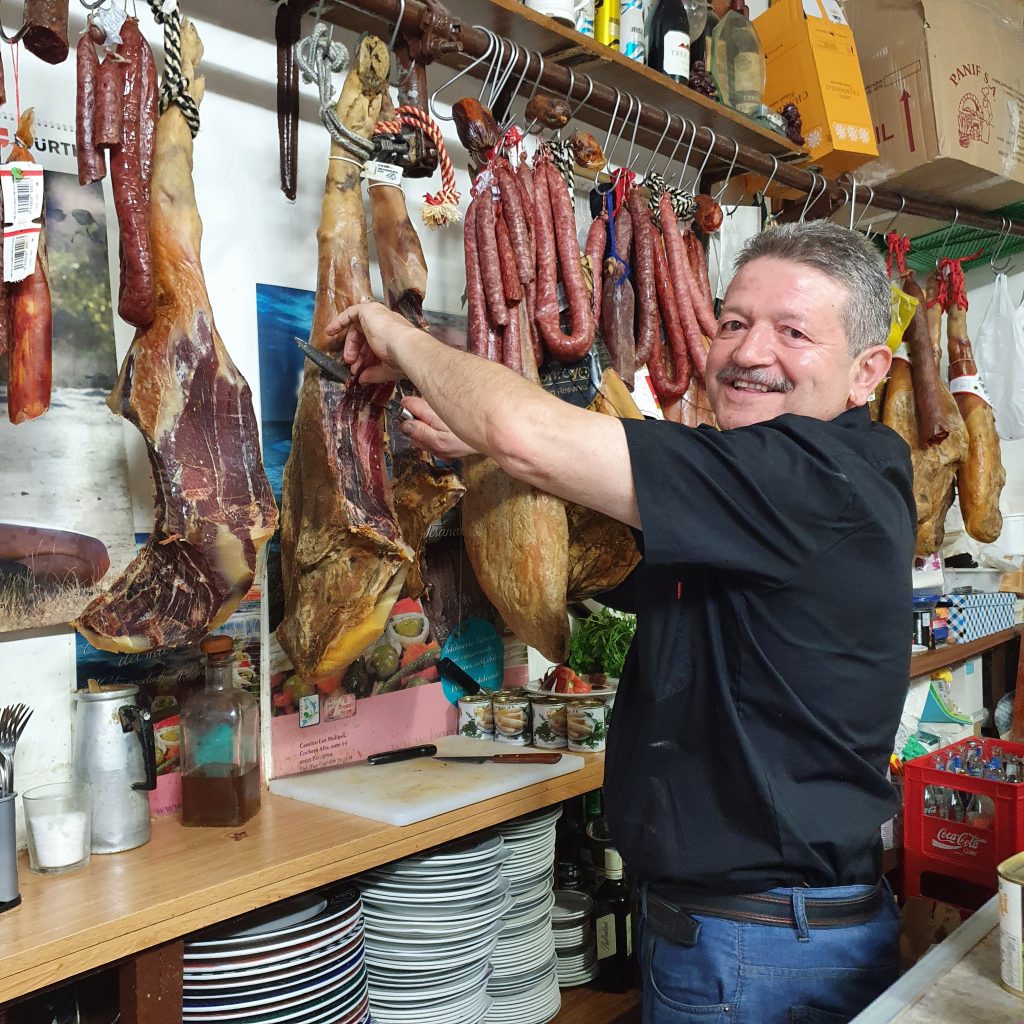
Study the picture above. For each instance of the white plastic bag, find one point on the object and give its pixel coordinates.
(999, 353)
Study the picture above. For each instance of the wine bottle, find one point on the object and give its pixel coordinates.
(737, 62)
(613, 927)
(671, 27)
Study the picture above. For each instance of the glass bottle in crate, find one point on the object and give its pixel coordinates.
(737, 62)
(220, 770)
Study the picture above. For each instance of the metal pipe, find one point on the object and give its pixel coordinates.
(653, 119)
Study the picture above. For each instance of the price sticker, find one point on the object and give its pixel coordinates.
(969, 385)
(20, 247)
(22, 185)
(387, 174)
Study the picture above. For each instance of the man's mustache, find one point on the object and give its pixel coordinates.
(732, 373)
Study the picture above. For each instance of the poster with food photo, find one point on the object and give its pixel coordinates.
(65, 505)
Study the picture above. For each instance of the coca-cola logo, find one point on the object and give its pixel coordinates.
(958, 842)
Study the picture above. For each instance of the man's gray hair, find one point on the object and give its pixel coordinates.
(846, 257)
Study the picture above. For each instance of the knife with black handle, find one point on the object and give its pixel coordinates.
(404, 754)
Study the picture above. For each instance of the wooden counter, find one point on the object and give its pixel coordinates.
(186, 879)
(953, 654)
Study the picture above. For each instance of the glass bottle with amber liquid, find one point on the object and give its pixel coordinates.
(613, 927)
(220, 724)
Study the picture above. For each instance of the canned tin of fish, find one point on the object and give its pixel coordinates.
(549, 725)
(586, 721)
(511, 719)
(584, 14)
(1011, 924)
(476, 716)
(606, 22)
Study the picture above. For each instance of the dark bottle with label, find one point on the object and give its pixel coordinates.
(613, 926)
(672, 25)
(220, 725)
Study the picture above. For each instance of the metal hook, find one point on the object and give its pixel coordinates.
(622, 128)
(654, 152)
(868, 233)
(398, 25)
(853, 199)
(499, 84)
(812, 197)
(728, 175)
(771, 177)
(579, 106)
(1007, 263)
(892, 220)
(432, 100)
(630, 159)
(497, 65)
(675, 146)
(704, 162)
(92, 7)
(536, 81)
(945, 237)
(846, 199)
(611, 123)
(689, 152)
(572, 89)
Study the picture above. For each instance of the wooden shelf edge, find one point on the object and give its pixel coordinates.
(187, 912)
(953, 654)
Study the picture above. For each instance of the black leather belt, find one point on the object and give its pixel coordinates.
(672, 920)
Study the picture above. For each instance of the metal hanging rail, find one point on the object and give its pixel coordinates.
(416, 18)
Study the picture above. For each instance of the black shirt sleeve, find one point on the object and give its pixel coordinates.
(760, 501)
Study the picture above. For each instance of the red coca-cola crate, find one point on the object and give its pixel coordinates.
(956, 849)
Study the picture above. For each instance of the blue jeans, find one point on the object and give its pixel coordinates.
(740, 973)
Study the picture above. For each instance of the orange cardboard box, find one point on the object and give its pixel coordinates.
(945, 81)
(812, 62)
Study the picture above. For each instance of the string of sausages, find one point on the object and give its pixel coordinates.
(640, 279)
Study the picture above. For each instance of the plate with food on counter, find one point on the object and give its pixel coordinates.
(560, 680)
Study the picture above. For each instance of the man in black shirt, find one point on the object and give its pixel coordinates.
(745, 778)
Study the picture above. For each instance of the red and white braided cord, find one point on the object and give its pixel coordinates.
(416, 118)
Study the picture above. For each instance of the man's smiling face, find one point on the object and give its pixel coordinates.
(781, 347)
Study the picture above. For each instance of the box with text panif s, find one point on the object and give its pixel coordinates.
(945, 82)
(812, 61)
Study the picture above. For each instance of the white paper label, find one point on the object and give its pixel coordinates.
(604, 928)
(1010, 934)
(834, 12)
(20, 248)
(902, 352)
(377, 170)
(22, 184)
(971, 385)
(677, 54)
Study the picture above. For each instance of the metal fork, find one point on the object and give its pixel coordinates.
(13, 720)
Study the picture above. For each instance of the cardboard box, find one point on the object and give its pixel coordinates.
(944, 81)
(812, 62)
(973, 616)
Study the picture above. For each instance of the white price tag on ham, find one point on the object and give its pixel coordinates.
(902, 352)
(969, 385)
(20, 247)
(377, 170)
(22, 185)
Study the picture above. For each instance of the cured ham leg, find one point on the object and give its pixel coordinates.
(517, 540)
(343, 557)
(214, 509)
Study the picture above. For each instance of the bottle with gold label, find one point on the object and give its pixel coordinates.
(607, 14)
(613, 927)
(737, 62)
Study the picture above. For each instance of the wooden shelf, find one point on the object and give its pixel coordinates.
(953, 654)
(588, 1005)
(187, 879)
(561, 45)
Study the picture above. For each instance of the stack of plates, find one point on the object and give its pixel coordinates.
(297, 962)
(572, 920)
(524, 985)
(432, 922)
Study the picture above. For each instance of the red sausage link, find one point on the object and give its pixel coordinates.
(490, 267)
(648, 327)
(668, 385)
(514, 217)
(109, 124)
(700, 286)
(476, 310)
(561, 219)
(30, 375)
(618, 304)
(92, 165)
(131, 175)
(495, 347)
(681, 278)
(511, 351)
(594, 249)
(510, 282)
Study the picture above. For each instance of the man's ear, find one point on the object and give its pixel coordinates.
(869, 368)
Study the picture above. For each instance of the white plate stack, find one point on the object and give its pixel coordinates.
(432, 922)
(573, 922)
(524, 985)
(299, 961)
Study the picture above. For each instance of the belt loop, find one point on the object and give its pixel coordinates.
(800, 915)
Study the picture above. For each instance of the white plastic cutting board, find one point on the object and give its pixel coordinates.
(410, 791)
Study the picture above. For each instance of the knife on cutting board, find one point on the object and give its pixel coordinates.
(538, 757)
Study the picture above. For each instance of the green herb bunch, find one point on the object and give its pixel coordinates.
(600, 643)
